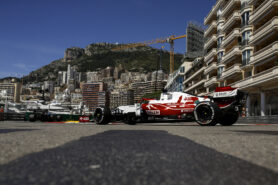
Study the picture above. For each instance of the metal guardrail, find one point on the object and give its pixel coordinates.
(12, 117)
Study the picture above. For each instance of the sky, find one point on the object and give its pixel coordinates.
(35, 32)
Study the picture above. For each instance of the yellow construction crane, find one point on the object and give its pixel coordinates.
(169, 40)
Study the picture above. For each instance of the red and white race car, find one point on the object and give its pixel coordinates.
(223, 107)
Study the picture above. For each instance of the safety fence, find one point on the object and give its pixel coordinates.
(12, 117)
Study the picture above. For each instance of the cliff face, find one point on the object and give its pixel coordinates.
(100, 56)
(73, 53)
(98, 48)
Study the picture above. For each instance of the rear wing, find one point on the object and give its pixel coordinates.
(225, 92)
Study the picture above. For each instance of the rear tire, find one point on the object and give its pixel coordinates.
(102, 115)
(229, 118)
(207, 114)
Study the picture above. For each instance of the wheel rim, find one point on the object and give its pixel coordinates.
(204, 114)
(98, 115)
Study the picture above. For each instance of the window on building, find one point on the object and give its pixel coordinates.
(182, 69)
(245, 19)
(220, 56)
(219, 27)
(219, 41)
(245, 37)
(246, 57)
(220, 71)
(219, 12)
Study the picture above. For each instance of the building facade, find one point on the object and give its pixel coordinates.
(95, 95)
(194, 78)
(242, 51)
(195, 40)
(121, 97)
(175, 80)
(10, 92)
(142, 88)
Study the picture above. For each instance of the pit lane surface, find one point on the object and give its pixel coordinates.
(157, 153)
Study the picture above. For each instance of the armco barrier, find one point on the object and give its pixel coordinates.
(2, 116)
(12, 117)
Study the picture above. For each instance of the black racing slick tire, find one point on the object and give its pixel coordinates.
(32, 118)
(229, 118)
(207, 114)
(102, 115)
(130, 119)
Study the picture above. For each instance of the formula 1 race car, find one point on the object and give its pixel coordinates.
(223, 107)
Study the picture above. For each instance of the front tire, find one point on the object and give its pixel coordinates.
(32, 118)
(130, 119)
(102, 115)
(206, 114)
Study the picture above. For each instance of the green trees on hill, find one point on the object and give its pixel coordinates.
(144, 59)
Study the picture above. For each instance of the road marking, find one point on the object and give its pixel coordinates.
(94, 166)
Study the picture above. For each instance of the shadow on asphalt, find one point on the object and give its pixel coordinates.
(4, 131)
(133, 157)
(265, 132)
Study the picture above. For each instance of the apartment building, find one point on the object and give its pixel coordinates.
(10, 92)
(175, 80)
(142, 88)
(95, 95)
(120, 97)
(242, 51)
(194, 79)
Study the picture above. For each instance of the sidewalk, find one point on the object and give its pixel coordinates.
(259, 119)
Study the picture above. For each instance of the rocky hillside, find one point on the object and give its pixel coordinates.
(99, 56)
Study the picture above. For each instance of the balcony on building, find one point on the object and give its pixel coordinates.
(245, 7)
(211, 30)
(263, 12)
(232, 37)
(230, 7)
(231, 71)
(234, 21)
(194, 75)
(267, 32)
(195, 85)
(210, 68)
(211, 81)
(211, 55)
(211, 42)
(267, 78)
(233, 54)
(220, 20)
(265, 55)
(213, 13)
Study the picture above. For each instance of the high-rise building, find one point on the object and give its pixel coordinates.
(194, 40)
(49, 86)
(10, 92)
(95, 95)
(64, 81)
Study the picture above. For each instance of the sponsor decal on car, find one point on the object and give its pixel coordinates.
(153, 112)
(225, 94)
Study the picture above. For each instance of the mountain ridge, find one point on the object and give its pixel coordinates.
(99, 56)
